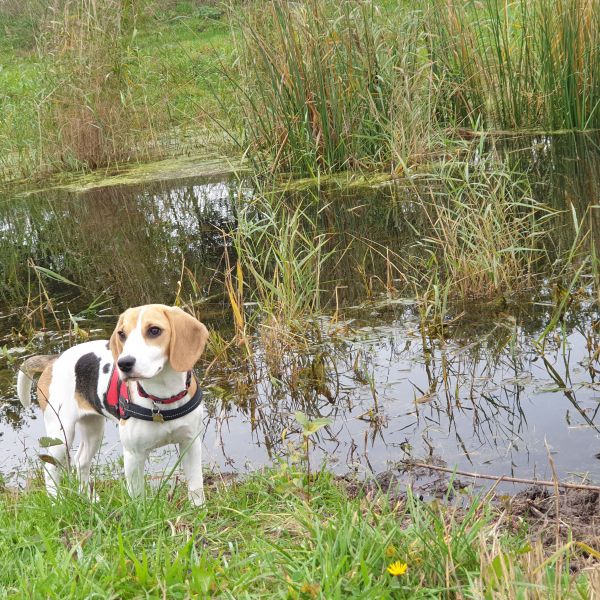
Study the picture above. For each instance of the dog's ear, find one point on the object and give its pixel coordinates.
(188, 339)
(115, 344)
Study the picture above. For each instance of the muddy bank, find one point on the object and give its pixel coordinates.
(572, 514)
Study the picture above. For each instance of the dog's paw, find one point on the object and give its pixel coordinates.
(197, 497)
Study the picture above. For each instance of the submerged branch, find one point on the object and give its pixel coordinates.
(502, 478)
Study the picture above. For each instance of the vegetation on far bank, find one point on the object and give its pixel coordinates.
(86, 85)
(307, 87)
(266, 537)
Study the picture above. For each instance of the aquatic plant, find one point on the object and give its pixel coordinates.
(89, 113)
(88, 84)
(487, 236)
(280, 252)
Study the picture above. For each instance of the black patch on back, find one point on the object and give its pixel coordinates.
(106, 368)
(86, 379)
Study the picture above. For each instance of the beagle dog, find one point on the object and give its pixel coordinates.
(142, 378)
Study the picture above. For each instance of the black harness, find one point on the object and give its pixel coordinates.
(117, 403)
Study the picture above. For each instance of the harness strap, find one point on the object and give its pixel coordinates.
(116, 391)
(129, 409)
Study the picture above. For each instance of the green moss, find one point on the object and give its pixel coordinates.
(169, 169)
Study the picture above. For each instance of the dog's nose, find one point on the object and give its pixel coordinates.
(126, 363)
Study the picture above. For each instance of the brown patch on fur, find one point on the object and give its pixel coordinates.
(43, 386)
(82, 402)
(155, 316)
(36, 364)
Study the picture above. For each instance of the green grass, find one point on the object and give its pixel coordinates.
(524, 64)
(262, 538)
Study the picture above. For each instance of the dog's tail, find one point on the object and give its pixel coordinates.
(33, 365)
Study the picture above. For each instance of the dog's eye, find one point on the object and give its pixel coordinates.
(154, 331)
(121, 335)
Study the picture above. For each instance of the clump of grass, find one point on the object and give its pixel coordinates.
(487, 235)
(532, 64)
(89, 112)
(329, 86)
(280, 259)
(262, 538)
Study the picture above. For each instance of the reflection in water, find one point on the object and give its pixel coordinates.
(490, 402)
(126, 243)
(487, 401)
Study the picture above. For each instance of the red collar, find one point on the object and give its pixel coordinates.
(171, 399)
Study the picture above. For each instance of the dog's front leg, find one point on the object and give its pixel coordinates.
(191, 461)
(134, 462)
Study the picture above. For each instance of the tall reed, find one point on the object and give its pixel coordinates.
(328, 86)
(521, 64)
(89, 116)
(281, 255)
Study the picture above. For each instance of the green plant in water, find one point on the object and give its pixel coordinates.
(309, 428)
(486, 233)
(281, 255)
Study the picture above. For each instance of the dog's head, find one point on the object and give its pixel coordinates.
(147, 338)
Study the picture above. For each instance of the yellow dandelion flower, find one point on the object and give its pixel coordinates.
(397, 568)
(390, 551)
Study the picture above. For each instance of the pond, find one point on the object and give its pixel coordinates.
(485, 395)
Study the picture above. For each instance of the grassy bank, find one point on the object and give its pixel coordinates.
(265, 538)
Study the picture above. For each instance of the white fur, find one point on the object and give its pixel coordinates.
(63, 416)
(149, 360)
